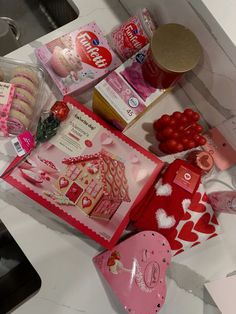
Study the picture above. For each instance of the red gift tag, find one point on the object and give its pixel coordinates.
(187, 179)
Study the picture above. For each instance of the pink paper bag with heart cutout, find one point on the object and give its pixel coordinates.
(135, 270)
(178, 207)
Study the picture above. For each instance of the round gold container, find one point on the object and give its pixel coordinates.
(174, 50)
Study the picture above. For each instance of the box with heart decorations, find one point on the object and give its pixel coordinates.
(78, 60)
(89, 175)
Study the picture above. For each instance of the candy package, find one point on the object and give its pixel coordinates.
(135, 270)
(78, 60)
(21, 96)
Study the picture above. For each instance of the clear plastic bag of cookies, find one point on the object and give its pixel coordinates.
(21, 95)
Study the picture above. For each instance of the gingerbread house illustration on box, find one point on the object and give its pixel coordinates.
(96, 183)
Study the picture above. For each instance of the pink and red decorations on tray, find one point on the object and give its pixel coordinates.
(136, 271)
(178, 208)
(179, 132)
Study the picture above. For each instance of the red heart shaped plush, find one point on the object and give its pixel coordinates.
(195, 205)
(203, 225)
(89, 49)
(186, 233)
(132, 38)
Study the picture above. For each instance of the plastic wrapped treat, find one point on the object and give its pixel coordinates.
(20, 92)
(132, 35)
(78, 60)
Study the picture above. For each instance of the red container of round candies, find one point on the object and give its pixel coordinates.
(179, 132)
(174, 50)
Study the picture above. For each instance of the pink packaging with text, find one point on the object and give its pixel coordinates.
(78, 60)
(136, 271)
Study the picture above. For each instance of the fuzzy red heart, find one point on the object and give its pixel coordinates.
(174, 244)
(91, 52)
(203, 225)
(195, 206)
(186, 233)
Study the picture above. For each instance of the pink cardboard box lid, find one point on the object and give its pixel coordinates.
(89, 174)
(136, 271)
(78, 60)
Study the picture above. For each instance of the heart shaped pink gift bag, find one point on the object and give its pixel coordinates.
(136, 270)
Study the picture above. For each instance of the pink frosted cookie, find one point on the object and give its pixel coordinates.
(26, 73)
(21, 117)
(22, 106)
(24, 83)
(24, 95)
(64, 61)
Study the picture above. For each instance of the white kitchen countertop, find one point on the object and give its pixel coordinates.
(63, 256)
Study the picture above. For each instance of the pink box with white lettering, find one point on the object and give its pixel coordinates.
(78, 60)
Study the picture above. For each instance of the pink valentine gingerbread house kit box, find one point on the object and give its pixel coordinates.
(89, 174)
(77, 60)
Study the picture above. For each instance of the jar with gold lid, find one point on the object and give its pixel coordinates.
(174, 50)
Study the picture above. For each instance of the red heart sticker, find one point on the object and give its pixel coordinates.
(132, 38)
(205, 198)
(86, 202)
(203, 225)
(195, 205)
(214, 220)
(63, 183)
(174, 244)
(196, 243)
(89, 49)
(186, 233)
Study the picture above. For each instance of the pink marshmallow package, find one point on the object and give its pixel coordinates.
(136, 271)
(78, 60)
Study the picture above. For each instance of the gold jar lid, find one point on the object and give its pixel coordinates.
(175, 48)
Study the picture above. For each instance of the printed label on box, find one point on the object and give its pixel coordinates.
(6, 96)
(187, 179)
